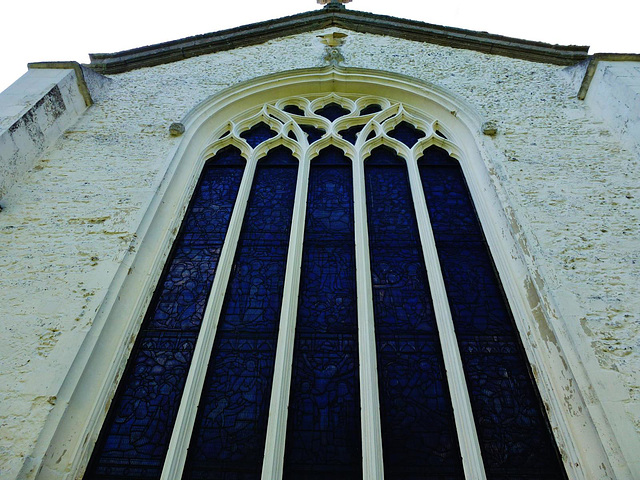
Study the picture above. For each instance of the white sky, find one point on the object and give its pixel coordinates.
(39, 30)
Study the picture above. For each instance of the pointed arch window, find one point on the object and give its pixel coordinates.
(330, 308)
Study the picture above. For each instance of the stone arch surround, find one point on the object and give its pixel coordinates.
(68, 436)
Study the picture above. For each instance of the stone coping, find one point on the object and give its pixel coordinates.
(256, 33)
(70, 65)
(593, 66)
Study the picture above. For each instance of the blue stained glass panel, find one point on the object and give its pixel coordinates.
(323, 429)
(480, 310)
(511, 425)
(142, 421)
(406, 133)
(184, 289)
(418, 432)
(257, 134)
(330, 304)
(234, 400)
(395, 220)
(414, 395)
(332, 111)
(230, 429)
(294, 109)
(401, 303)
(212, 205)
(369, 109)
(253, 300)
(313, 133)
(351, 134)
(135, 436)
(514, 435)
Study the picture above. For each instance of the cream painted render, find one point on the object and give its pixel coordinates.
(87, 223)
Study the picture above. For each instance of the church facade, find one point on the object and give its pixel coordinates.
(359, 245)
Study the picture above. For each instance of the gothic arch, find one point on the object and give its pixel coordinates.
(453, 125)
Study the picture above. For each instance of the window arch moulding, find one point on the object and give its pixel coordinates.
(448, 122)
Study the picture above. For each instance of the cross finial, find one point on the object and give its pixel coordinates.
(333, 3)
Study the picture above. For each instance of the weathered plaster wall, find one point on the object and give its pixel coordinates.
(569, 188)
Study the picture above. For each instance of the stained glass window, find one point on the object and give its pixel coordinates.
(319, 430)
(418, 430)
(136, 434)
(332, 111)
(229, 434)
(514, 436)
(323, 432)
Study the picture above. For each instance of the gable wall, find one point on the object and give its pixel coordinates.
(565, 179)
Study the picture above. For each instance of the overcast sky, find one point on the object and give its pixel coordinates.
(39, 30)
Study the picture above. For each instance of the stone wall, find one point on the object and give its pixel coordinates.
(568, 184)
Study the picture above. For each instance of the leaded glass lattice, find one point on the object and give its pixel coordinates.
(418, 432)
(229, 433)
(323, 432)
(514, 435)
(136, 434)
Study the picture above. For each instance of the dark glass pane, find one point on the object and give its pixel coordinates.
(514, 434)
(418, 431)
(136, 434)
(394, 220)
(184, 289)
(313, 134)
(373, 108)
(258, 134)
(323, 430)
(332, 111)
(351, 134)
(406, 133)
(230, 429)
(440, 134)
(141, 424)
(294, 109)
(416, 410)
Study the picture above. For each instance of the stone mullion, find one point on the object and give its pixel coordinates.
(372, 462)
(181, 435)
(272, 467)
(465, 425)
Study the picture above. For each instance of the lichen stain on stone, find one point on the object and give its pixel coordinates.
(43, 163)
(64, 452)
(121, 234)
(89, 221)
(536, 309)
(48, 341)
(605, 471)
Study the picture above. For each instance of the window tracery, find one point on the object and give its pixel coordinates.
(300, 153)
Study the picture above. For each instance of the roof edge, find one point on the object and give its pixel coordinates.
(260, 32)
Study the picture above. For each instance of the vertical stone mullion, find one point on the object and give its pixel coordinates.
(277, 425)
(373, 467)
(181, 435)
(465, 425)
